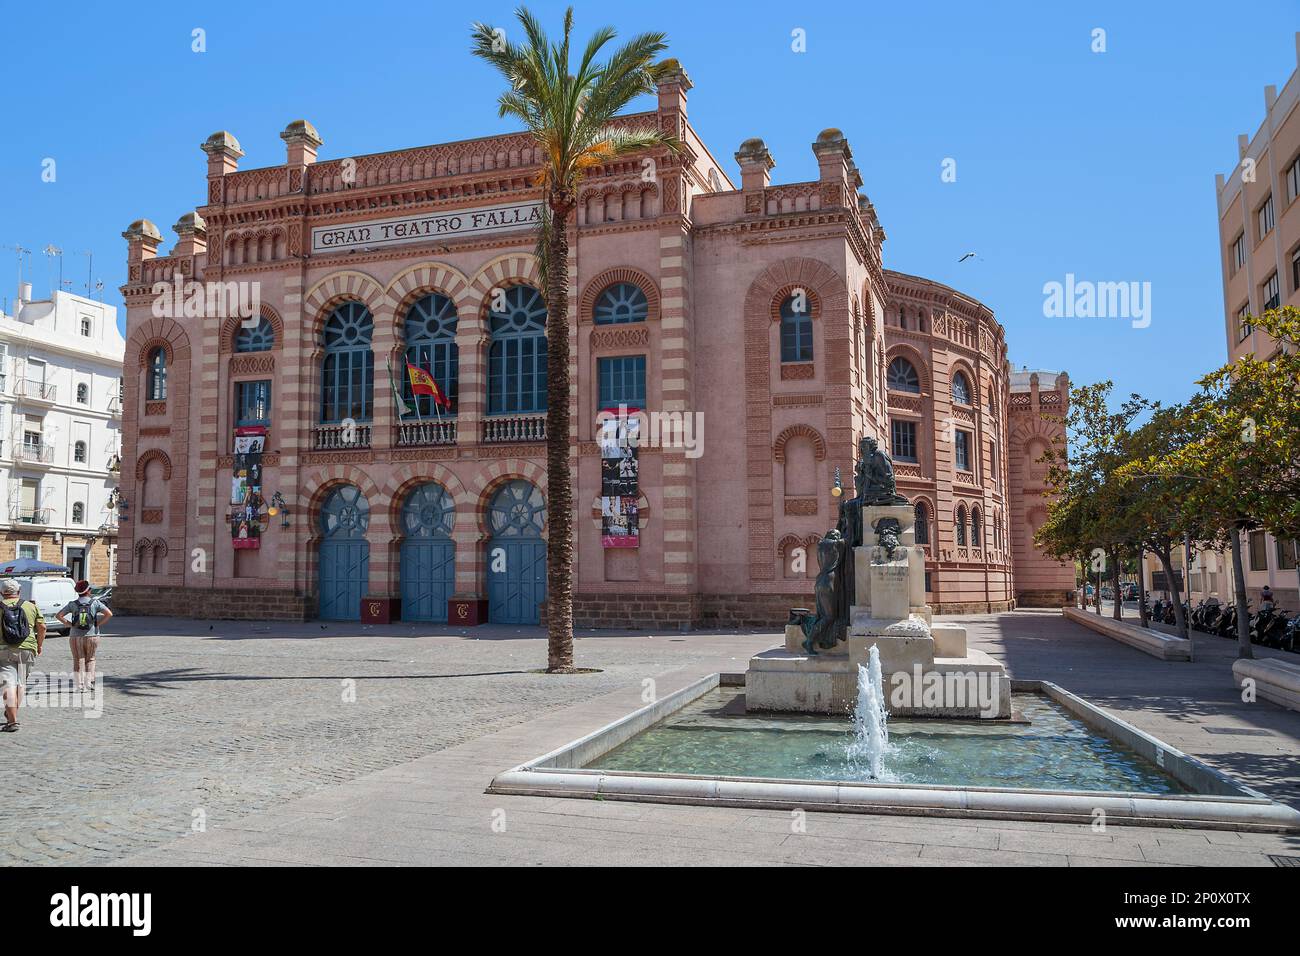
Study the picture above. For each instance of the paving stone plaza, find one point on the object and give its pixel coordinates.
(337, 744)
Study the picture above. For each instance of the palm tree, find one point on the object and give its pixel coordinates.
(572, 115)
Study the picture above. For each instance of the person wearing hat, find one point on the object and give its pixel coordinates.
(23, 631)
(83, 618)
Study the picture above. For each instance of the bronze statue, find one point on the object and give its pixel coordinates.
(877, 482)
(873, 482)
(887, 532)
(827, 626)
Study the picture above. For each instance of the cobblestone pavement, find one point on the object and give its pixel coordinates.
(248, 723)
(218, 724)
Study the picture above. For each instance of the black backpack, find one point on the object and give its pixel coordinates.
(14, 626)
(82, 619)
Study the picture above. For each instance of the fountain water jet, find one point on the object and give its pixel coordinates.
(870, 719)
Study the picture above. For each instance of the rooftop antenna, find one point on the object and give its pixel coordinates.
(90, 269)
(53, 250)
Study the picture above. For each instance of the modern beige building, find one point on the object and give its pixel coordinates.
(1259, 245)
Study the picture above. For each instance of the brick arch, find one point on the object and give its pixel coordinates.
(587, 301)
(153, 454)
(828, 290)
(496, 474)
(319, 484)
(230, 329)
(148, 348)
(411, 474)
(931, 518)
(814, 301)
(514, 268)
(913, 355)
(424, 278)
(959, 364)
(805, 431)
(345, 285)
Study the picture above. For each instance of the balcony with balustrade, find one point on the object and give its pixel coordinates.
(346, 436)
(426, 432)
(500, 429)
(34, 455)
(32, 391)
(19, 515)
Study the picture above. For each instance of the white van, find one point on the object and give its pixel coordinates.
(49, 594)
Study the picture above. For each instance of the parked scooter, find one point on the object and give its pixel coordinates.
(1268, 626)
(1227, 626)
(1207, 609)
(1290, 640)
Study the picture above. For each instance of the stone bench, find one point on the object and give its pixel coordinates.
(1164, 646)
(1276, 681)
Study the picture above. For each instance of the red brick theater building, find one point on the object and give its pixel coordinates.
(271, 471)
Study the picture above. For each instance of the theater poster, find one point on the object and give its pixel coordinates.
(246, 511)
(620, 474)
(619, 522)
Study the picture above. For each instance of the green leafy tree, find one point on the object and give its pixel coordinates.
(571, 111)
(1237, 457)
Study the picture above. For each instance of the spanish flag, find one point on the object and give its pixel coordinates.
(422, 383)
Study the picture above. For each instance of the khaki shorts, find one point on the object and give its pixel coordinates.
(14, 664)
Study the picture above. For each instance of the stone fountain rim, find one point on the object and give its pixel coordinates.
(1233, 806)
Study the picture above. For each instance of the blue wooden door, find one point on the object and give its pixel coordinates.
(516, 557)
(344, 554)
(428, 563)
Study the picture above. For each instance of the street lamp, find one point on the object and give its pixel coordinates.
(278, 507)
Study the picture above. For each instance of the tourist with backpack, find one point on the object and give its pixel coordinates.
(83, 617)
(22, 637)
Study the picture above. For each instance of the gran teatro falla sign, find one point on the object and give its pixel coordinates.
(378, 233)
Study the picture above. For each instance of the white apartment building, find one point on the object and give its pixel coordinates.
(61, 432)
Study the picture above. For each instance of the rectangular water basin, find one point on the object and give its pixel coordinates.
(1062, 759)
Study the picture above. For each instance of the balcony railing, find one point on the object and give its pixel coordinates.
(35, 390)
(22, 515)
(37, 454)
(429, 432)
(341, 437)
(509, 428)
(114, 408)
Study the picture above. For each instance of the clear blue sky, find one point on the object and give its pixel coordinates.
(1067, 161)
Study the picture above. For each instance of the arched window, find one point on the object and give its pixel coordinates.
(922, 523)
(903, 377)
(961, 389)
(621, 302)
(255, 338)
(975, 528)
(796, 329)
(79, 452)
(430, 333)
(157, 390)
(348, 373)
(78, 513)
(83, 393)
(517, 356)
(961, 526)
(920, 321)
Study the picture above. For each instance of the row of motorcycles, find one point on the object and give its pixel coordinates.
(1269, 626)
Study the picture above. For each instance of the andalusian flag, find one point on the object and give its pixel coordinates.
(422, 383)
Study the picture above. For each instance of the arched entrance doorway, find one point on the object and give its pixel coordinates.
(516, 557)
(428, 563)
(344, 553)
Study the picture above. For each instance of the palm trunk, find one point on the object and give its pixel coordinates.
(1239, 585)
(559, 482)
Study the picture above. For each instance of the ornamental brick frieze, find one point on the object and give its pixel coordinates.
(620, 338)
(798, 399)
(270, 460)
(423, 454)
(247, 364)
(793, 372)
(361, 456)
(801, 506)
(155, 408)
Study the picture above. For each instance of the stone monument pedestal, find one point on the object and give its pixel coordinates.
(926, 668)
